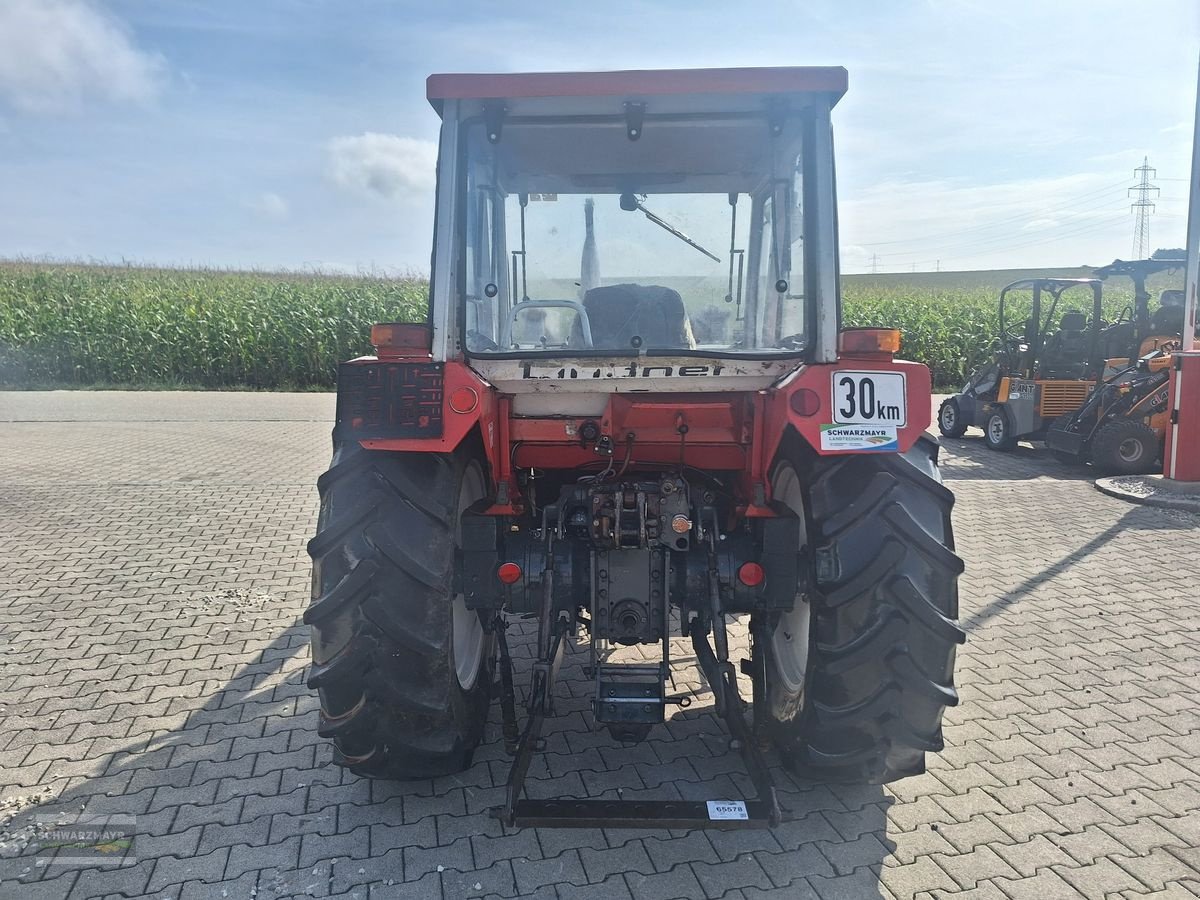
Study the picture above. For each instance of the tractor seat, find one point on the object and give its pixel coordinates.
(1072, 322)
(1117, 338)
(618, 313)
(1065, 354)
(1168, 318)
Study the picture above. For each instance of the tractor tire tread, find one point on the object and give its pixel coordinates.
(379, 617)
(884, 614)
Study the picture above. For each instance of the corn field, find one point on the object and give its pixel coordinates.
(74, 326)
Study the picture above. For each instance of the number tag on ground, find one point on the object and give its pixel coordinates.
(869, 398)
(727, 809)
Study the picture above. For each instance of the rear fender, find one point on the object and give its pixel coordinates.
(806, 403)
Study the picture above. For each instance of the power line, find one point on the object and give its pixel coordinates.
(969, 245)
(1073, 232)
(976, 243)
(986, 241)
(1004, 220)
(1142, 207)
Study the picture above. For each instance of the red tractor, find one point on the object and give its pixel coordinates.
(638, 455)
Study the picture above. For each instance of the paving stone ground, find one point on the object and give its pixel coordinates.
(152, 663)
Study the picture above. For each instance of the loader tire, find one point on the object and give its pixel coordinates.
(403, 669)
(878, 656)
(950, 418)
(998, 432)
(1126, 447)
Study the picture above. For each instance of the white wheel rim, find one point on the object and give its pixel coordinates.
(789, 640)
(948, 417)
(996, 427)
(466, 630)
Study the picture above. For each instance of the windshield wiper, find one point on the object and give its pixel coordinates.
(629, 203)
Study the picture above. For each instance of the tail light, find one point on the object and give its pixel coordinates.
(751, 574)
(805, 402)
(464, 400)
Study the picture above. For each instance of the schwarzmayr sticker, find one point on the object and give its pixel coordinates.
(846, 438)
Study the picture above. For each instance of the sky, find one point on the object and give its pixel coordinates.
(295, 133)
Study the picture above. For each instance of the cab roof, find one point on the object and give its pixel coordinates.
(731, 84)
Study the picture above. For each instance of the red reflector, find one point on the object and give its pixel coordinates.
(463, 399)
(751, 574)
(509, 573)
(805, 402)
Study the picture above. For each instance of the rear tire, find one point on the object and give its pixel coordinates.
(998, 431)
(880, 648)
(403, 669)
(950, 419)
(1125, 447)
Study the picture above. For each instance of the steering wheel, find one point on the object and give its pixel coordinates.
(1014, 337)
(477, 340)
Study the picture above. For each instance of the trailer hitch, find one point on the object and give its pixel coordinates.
(517, 811)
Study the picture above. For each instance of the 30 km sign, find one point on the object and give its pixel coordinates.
(869, 398)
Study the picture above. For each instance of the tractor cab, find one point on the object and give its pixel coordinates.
(634, 231)
(1047, 358)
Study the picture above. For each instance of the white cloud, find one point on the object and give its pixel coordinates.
(269, 205)
(386, 165)
(56, 54)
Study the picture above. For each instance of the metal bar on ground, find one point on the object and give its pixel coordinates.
(683, 814)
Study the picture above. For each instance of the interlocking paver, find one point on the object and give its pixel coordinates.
(611, 888)
(1045, 885)
(1160, 867)
(171, 870)
(497, 879)
(861, 883)
(136, 678)
(600, 864)
(678, 882)
(1100, 879)
(792, 866)
(968, 869)
(922, 874)
(719, 878)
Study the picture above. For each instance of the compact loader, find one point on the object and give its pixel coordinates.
(1120, 427)
(559, 442)
(1046, 364)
